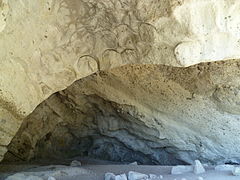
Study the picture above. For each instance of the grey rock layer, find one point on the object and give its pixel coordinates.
(47, 45)
(146, 113)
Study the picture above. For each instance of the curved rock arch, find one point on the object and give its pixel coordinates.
(41, 43)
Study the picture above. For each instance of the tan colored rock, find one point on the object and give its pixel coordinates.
(47, 45)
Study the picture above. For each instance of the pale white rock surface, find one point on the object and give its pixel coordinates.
(18, 176)
(51, 178)
(153, 176)
(133, 163)
(198, 167)
(33, 178)
(236, 171)
(200, 178)
(132, 175)
(225, 167)
(76, 163)
(47, 45)
(110, 176)
(181, 169)
(121, 177)
(49, 172)
(23, 177)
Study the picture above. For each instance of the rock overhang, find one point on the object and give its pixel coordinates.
(47, 45)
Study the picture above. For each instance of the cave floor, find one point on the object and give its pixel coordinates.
(95, 170)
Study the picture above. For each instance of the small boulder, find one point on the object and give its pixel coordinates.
(121, 177)
(75, 163)
(51, 178)
(198, 168)
(133, 163)
(109, 176)
(59, 173)
(153, 176)
(136, 176)
(181, 169)
(236, 171)
(20, 176)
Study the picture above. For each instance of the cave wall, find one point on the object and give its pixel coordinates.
(152, 114)
(47, 45)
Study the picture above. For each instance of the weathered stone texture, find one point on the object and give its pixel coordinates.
(47, 45)
(146, 113)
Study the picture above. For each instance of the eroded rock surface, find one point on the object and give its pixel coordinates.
(47, 45)
(146, 113)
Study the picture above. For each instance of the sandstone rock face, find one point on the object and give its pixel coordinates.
(146, 113)
(47, 45)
